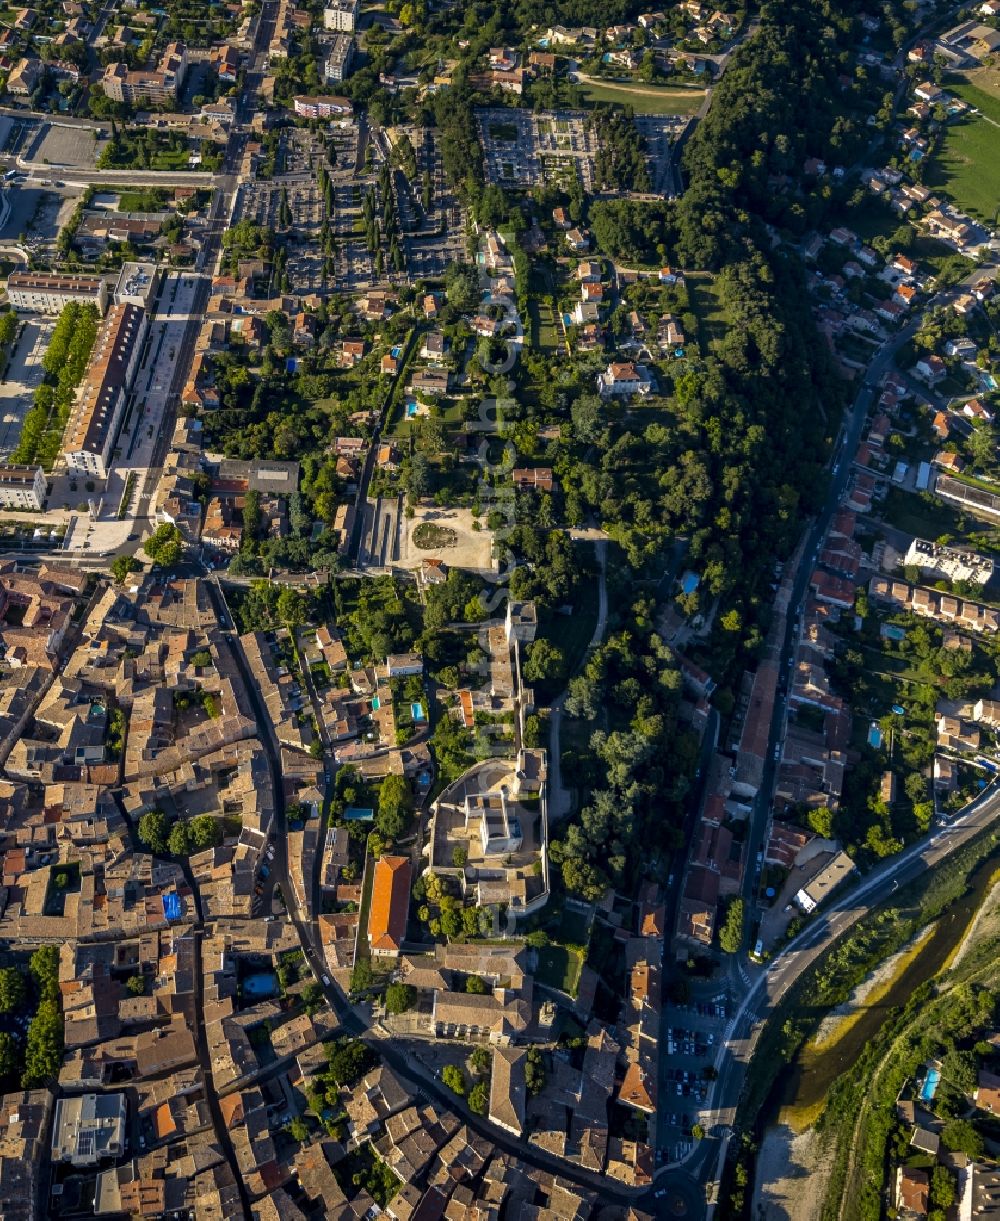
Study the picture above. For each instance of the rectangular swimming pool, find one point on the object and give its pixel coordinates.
(929, 1087)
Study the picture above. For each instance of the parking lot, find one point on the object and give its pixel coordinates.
(693, 1033)
(23, 375)
(58, 145)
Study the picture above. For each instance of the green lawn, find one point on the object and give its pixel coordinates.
(642, 98)
(967, 165)
(968, 86)
(170, 159)
(713, 322)
(559, 967)
(544, 336)
(572, 633)
(574, 927)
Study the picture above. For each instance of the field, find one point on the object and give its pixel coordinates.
(980, 88)
(713, 321)
(644, 100)
(968, 165)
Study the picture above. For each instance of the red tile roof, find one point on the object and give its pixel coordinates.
(390, 901)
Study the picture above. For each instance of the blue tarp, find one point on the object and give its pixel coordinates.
(172, 906)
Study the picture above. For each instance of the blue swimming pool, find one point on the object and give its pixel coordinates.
(891, 632)
(411, 408)
(929, 1087)
(359, 814)
(874, 735)
(260, 984)
(397, 352)
(417, 712)
(376, 703)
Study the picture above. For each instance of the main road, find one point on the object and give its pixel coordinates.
(769, 986)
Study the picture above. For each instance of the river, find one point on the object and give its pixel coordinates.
(807, 1080)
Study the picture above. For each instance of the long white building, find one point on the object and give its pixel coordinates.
(37, 292)
(96, 418)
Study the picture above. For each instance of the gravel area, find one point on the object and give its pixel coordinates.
(791, 1178)
(985, 925)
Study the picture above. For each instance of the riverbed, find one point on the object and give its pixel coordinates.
(803, 1087)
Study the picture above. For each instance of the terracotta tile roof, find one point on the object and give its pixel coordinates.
(231, 1108)
(638, 1088)
(390, 901)
(164, 1121)
(913, 1193)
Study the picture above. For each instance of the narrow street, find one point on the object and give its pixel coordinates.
(205, 1062)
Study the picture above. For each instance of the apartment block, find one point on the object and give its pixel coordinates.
(21, 487)
(95, 420)
(163, 84)
(339, 58)
(44, 293)
(137, 284)
(341, 15)
(88, 1128)
(322, 107)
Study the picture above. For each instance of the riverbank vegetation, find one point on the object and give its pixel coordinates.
(831, 980)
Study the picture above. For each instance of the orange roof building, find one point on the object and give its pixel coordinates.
(390, 904)
(638, 1088)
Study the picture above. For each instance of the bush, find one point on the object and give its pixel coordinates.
(454, 1079)
(122, 565)
(731, 932)
(154, 828)
(44, 1048)
(534, 1071)
(399, 998)
(11, 989)
(479, 1061)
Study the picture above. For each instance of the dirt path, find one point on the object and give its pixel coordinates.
(792, 1172)
(637, 90)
